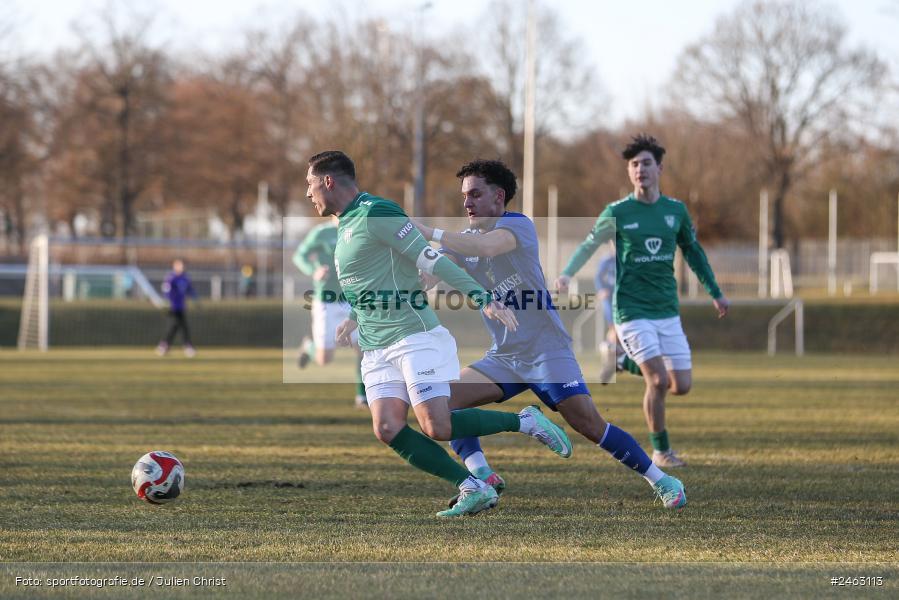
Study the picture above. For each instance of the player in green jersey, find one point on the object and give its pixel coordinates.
(647, 228)
(408, 357)
(315, 257)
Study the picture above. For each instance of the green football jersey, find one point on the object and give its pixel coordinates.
(646, 239)
(316, 250)
(378, 256)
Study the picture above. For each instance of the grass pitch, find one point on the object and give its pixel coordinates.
(792, 474)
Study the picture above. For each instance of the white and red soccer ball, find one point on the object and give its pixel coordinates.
(158, 477)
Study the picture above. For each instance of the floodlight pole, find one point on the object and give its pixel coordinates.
(261, 251)
(419, 142)
(418, 145)
(552, 233)
(763, 244)
(832, 244)
(409, 199)
(530, 117)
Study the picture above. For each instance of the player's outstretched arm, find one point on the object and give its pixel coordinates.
(492, 243)
(603, 230)
(699, 263)
(305, 259)
(389, 224)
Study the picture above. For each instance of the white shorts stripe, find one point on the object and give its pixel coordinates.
(419, 361)
(644, 339)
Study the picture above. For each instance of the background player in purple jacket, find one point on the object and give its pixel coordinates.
(177, 287)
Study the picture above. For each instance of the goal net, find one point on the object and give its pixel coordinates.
(46, 283)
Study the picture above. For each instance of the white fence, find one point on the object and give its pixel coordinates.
(217, 272)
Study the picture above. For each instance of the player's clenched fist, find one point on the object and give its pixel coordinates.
(321, 273)
(498, 312)
(344, 331)
(722, 305)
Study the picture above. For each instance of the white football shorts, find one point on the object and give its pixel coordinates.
(415, 369)
(326, 316)
(647, 338)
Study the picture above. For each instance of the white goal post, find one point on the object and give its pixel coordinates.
(781, 274)
(34, 323)
(881, 258)
(797, 308)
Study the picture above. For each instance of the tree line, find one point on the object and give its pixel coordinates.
(773, 97)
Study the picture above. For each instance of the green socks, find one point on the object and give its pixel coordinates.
(360, 387)
(660, 440)
(423, 453)
(475, 422)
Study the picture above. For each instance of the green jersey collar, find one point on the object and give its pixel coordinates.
(661, 197)
(355, 202)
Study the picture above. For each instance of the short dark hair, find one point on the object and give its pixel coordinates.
(334, 163)
(493, 172)
(643, 142)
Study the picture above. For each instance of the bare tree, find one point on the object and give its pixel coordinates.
(782, 71)
(278, 63)
(461, 110)
(116, 113)
(218, 150)
(367, 105)
(14, 160)
(14, 123)
(569, 96)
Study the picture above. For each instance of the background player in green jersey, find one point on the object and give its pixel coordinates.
(315, 257)
(647, 228)
(408, 357)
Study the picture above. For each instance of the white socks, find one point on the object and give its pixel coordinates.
(653, 474)
(476, 461)
(472, 483)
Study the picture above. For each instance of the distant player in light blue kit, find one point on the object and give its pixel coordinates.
(604, 280)
(500, 252)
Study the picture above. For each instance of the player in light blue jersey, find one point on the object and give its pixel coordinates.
(500, 251)
(604, 280)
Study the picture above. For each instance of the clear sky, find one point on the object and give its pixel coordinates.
(606, 27)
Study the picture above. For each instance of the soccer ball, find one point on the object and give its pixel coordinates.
(158, 477)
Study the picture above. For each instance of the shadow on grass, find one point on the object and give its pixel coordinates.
(360, 419)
